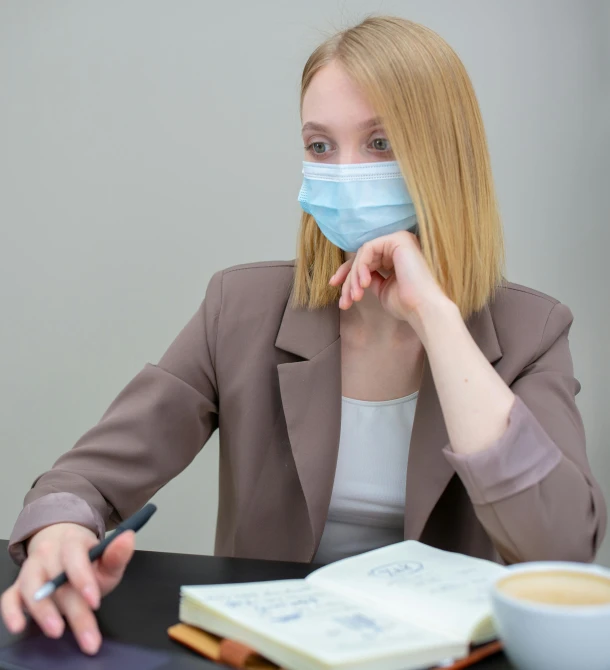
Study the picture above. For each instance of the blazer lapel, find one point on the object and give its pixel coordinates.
(428, 471)
(310, 389)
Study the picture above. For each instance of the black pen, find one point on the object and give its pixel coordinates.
(134, 523)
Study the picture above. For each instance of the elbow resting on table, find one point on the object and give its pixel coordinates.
(550, 522)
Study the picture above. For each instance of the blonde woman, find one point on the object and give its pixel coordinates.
(389, 384)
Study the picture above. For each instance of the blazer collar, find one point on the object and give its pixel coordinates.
(311, 398)
(306, 333)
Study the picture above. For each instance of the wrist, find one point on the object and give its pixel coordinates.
(435, 317)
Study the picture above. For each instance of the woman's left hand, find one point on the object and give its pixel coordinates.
(408, 288)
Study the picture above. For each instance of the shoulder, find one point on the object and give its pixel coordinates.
(261, 273)
(523, 315)
(251, 288)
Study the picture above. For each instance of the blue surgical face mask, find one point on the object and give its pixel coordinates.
(353, 204)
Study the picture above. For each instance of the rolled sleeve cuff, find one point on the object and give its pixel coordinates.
(49, 509)
(521, 458)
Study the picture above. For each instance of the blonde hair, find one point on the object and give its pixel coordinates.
(419, 87)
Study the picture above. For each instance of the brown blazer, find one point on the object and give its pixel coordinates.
(269, 377)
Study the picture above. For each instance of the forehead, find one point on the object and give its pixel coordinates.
(333, 97)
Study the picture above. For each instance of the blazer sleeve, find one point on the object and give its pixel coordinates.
(533, 489)
(148, 435)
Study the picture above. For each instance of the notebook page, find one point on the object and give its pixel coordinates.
(311, 621)
(442, 590)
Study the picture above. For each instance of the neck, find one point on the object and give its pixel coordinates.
(369, 322)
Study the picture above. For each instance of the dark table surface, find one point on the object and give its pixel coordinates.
(145, 604)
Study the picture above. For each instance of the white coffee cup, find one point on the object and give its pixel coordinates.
(554, 615)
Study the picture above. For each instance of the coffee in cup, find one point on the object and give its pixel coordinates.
(558, 587)
(554, 615)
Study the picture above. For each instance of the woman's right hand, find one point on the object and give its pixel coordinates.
(52, 550)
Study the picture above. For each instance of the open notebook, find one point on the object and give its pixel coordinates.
(401, 607)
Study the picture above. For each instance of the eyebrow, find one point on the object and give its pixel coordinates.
(319, 127)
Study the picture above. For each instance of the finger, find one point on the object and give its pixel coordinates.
(341, 273)
(374, 254)
(44, 612)
(11, 606)
(114, 560)
(75, 559)
(371, 257)
(356, 290)
(80, 618)
(346, 293)
(365, 275)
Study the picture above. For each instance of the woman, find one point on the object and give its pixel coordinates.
(392, 351)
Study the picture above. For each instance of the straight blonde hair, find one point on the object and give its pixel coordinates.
(419, 87)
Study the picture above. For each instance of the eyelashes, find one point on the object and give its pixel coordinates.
(320, 148)
(311, 149)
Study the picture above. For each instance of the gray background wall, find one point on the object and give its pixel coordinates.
(145, 144)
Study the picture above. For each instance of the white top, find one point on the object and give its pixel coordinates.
(368, 499)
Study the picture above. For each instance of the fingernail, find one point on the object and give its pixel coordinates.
(54, 626)
(91, 596)
(90, 642)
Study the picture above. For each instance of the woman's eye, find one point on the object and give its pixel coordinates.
(381, 144)
(318, 147)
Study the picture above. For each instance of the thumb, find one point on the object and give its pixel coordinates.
(114, 560)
